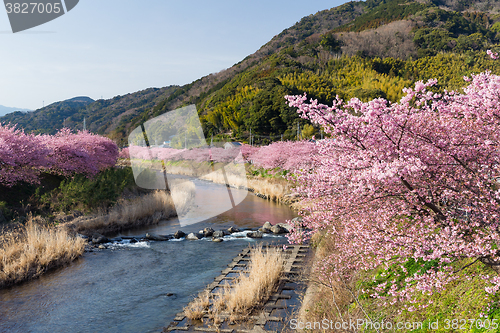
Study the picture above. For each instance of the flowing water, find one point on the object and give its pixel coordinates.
(135, 287)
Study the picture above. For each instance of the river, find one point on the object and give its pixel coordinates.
(135, 287)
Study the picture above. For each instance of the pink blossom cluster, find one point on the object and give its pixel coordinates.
(493, 55)
(199, 155)
(247, 151)
(124, 153)
(285, 155)
(24, 156)
(414, 179)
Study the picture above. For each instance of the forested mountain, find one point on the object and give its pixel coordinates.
(49, 118)
(360, 49)
(101, 116)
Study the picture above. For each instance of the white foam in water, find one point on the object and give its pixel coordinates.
(177, 240)
(237, 235)
(243, 236)
(126, 243)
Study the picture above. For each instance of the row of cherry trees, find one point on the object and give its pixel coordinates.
(171, 154)
(284, 155)
(416, 181)
(23, 157)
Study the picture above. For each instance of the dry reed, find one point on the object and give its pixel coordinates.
(35, 250)
(273, 189)
(265, 268)
(196, 309)
(146, 210)
(327, 299)
(249, 290)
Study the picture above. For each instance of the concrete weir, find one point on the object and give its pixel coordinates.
(273, 315)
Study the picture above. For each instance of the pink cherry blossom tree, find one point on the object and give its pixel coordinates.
(285, 155)
(21, 156)
(82, 152)
(24, 156)
(414, 180)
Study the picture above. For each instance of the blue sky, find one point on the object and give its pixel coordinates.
(113, 47)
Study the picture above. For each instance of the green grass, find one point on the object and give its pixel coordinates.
(453, 309)
(86, 194)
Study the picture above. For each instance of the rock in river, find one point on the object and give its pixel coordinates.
(192, 236)
(287, 226)
(207, 232)
(157, 238)
(179, 234)
(267, 225)
(255, 234)
(232, 230)
(220, 233)
(277, 229)
(99, 239)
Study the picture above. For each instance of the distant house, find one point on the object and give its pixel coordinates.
(166, 144)
(231, 145)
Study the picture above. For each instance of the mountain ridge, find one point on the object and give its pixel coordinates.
(365, 49)
(7, 109)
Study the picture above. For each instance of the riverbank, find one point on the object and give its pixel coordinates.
(236, 175)
(35, 249)
(145, 210)
(343, 301)
(366, 297)
(136, 211)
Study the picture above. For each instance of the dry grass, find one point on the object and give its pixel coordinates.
(35, 250)
(251, 288)
(265, 268)
(196, 309)
(273, 189)
(235, 179)
(322, 300)
(146, 210)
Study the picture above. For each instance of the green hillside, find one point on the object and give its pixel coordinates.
(50, 118)
(380, 47)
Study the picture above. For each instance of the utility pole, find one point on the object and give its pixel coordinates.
(298, 131)
(211, 140)
(321, 134)
(185, 140)
(84, 124)
(250, 137)
(281, 137)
